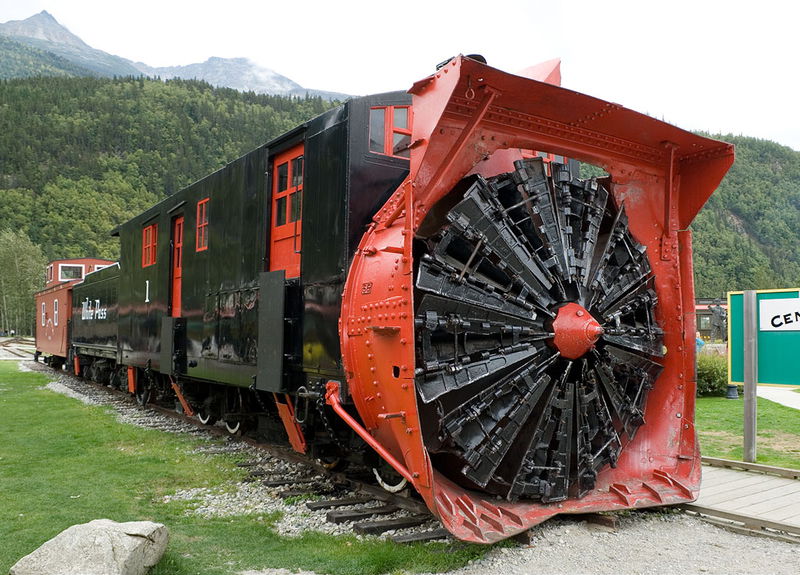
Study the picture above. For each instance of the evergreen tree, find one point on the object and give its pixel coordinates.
(23, 267)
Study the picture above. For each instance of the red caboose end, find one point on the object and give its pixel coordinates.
(54, 306)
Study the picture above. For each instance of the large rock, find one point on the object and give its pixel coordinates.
(100, 547)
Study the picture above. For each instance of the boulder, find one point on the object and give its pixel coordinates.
(100, 547)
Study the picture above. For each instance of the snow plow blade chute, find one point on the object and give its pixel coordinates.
(469, 118)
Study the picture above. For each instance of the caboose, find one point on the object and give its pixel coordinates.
(421, 281)
(54, 306)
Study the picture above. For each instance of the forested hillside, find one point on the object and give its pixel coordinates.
(82, 155)
(748, 235)
(79, 156)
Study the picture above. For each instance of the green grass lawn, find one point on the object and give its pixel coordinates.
(63, 463)
(720, 424)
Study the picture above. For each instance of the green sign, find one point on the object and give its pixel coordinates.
(778, 336)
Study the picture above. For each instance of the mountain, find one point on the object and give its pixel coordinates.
(40, 46)
(21, 60)
(237, 73)
(240, 74)
(42, 32)
(43, 27)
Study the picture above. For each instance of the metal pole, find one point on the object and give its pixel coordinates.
(750, 321)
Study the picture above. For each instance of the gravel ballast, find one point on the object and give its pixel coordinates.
(243, 498)
(643, 543)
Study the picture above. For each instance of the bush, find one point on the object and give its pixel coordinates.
(712, 375)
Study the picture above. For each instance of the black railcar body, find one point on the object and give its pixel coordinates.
(222, 302)
(95, 312)
(94, 327)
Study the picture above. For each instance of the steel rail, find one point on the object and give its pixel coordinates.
(409, 504)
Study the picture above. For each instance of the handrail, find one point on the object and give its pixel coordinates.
(332, 397)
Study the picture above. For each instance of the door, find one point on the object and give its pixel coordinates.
(176, 273)
(287, 206)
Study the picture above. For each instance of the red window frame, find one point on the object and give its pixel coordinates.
(396, 137)
(201, 240)
(149, 244)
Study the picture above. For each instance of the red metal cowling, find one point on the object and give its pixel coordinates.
(470, 119)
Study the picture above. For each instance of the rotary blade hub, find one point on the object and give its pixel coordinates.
(576, 331)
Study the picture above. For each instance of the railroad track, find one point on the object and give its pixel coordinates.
(357, 500)
(354, 499)
(18, 347)
(369, 509)
(736, 511)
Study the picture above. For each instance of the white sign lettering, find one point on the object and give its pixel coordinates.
(93, 310)
(779, 314)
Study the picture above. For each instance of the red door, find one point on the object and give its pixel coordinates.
(287, 202)
(177, 265)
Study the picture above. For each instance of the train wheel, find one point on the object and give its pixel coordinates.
(113, 381)
(234, 411)
(142, 393)
(121, 379)
(205, 417)
(333, 463)
(392, 485)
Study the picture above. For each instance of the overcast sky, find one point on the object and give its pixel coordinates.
(723, 66)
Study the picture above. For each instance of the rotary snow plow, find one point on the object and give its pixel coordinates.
(519, 342)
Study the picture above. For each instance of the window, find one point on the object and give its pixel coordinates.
(202, 225)
(289, 192)
(295, 206)
(295, 198)
(49, 273)
(69, 272)
(280, 211)
(390, 131)
(297, 171)
(44, 315)
(55, 312)
(283, 177)
(149, 237)
(377, 134)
